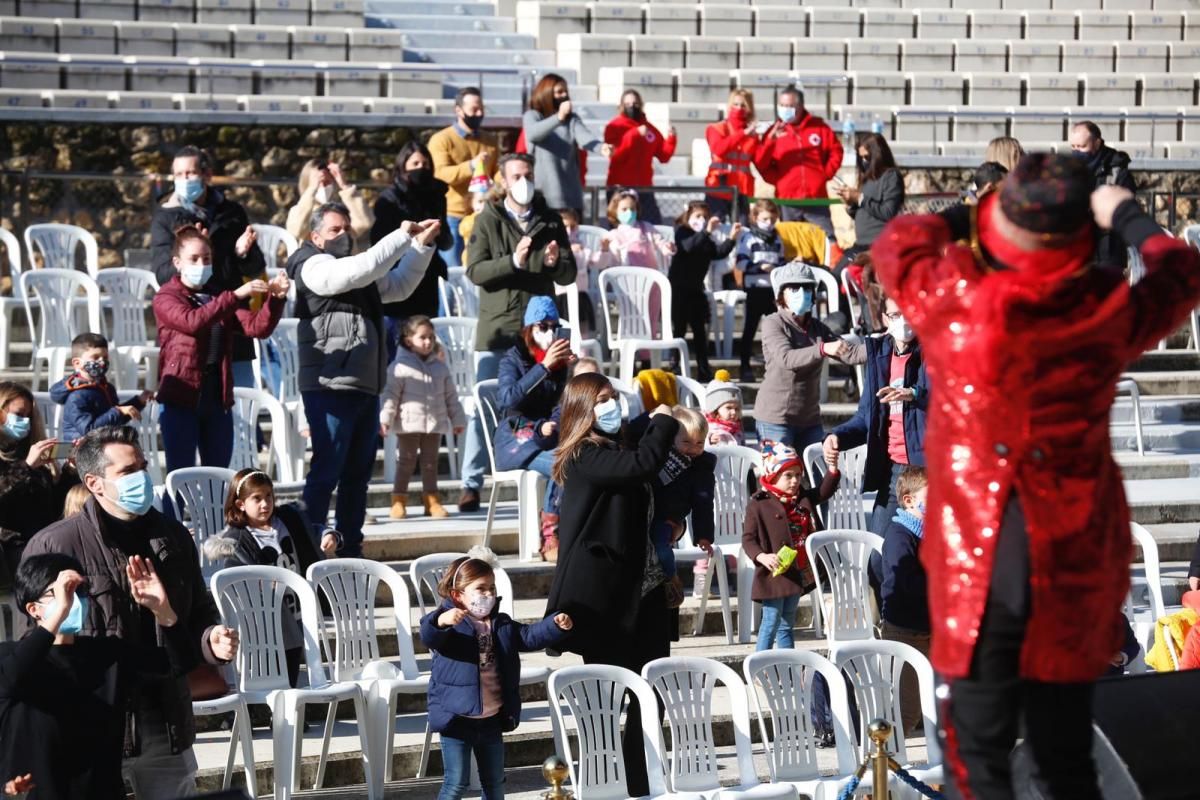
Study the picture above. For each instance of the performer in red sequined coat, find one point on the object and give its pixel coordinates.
(1027, 528)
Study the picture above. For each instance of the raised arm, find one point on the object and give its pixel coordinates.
(173, 311)
(328, 276)
(915, 256)
(402, 281)
(537, 127)
(609, 466)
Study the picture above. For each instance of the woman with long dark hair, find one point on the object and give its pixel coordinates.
(414, 194)
(879, 196)
(554, 135)
(31, 489)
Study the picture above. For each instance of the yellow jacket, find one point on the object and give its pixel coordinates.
(452, 156)
(1178, 625)
(802, 241)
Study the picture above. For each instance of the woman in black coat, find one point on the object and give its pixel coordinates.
(608, 579)
(414, 195)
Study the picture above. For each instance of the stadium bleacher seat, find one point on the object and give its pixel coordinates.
(87, 36)
(145, 39)
(996, 25)
(335, 105)
(923, 124)
(32, 35)
(1157, 26)
(927, 55)
(761, 52)
(271, 103)
(886, 23)
(879, 88)
(981, 125)
(30, 73)
(1165, 126)
(942, 24)
(624, 19)
(546, 21)
(203, 41)
(980, 56)
(261, 42)
(873, 54)
(285, 79)
(586, 53)
(671, 19)
(21, 98)
(834, 22)
(64, 98)
(1103, 91)
(149, 78)
(1051, 89)
(319, 44)
(1143, 56)
(780, 20)
(726, 20)
(1050, 26)
(1034, 57)
(1103, 26)
(659, 52)
(1039, 124)
(281, 12)
(145, 101)
(224, 77)
(166, 10)
(336, 13)
(701, 86)
(48, 8)
(936, 88)
(1088, 56)
(711, 52)
(1168, 90)
(993, 89)
(224, 12)
(111, 10)
(825, 53)
(689, 119)
(206, 102)
(96, 75)
(655, 85)
(822, 87)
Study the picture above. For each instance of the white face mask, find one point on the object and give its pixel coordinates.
(521, 191)
(765, 227)
(479, 606)
(696, 224)
(900, 330)
(543, 339)
(324, 193)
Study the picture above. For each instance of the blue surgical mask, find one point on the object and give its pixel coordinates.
(921, 508)
(627, 216)
(188, 190)
(135, 492)
(799, 301)
(608, 416)
(76, 616)
(785, 113)
(196, 275)
(17, 426)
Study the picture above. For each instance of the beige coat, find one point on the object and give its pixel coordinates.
(420, 396)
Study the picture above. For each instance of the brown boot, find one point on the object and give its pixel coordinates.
(399, 511)
(549, 537)
(468, 501)
(433, 506)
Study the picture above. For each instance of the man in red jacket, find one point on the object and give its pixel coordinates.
(798, 155)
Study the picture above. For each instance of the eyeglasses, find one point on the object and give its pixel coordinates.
(897, 315)
(546, 326)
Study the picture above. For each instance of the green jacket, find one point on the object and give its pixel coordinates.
(504, 289)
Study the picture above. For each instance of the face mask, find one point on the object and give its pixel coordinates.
(480, 606)
(75, 617)
(799, 301)
(324, 193)
(900, 330)
(608, 416)
(696, 224)
(765, 227)
(521, 191)
(135, 492)
(473, 123)
(738, 116)
(17, 426)
(196, 275)
(1083, 155)
(558, 101)
(188, 190)
(627, 216)
(634, 112)
(863, 163)
(785, 113)
(340, 247)
(543, 339)
(95, 369)
(921, 508)
(419, 177)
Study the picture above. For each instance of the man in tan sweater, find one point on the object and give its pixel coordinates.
(460, 152)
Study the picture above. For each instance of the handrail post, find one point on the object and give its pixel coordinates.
(880, 731)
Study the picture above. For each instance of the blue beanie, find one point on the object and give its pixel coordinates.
(540, 309)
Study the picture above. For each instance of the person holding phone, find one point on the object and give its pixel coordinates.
(322, 181)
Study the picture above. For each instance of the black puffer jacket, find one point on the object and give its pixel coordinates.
(30, 499)
(1110, 167)
(402, 201)
(88, 538)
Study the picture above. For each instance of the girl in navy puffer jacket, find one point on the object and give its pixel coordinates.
(474, 689)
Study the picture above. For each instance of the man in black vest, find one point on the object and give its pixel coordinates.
(342, 354)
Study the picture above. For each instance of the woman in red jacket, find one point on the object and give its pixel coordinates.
(196, 329)
(733, 146)
(636, 143)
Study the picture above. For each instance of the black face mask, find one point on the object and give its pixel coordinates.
(558, 101)
(341, 247)
(863, 163)
(419, 177)
(473, 123)
(634, 112)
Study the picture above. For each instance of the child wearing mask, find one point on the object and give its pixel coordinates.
(759, 250)
(905, 609)
(474, 686)
(723, 411)
(695, 250)
(633, 242)
(88, 399)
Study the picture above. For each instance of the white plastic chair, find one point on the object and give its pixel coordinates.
(350, 586)
(129, 342)
(526, 480)
(457, 336)
(55, 292)
(270, 239)
(251, 599)
(283, 342)
(846, 509)
(781, 683)
(628, 288)
(248, 406)
(854, 299)
(147, 428)
(844, 555)
(832, 297)
(579, 345)
(51, 413)
(687, 687)
(594, 696)
(631, 398)
(10, 306)
(240, 734)
(57, 242)
(1135, 397)
(1142, 618)
(1163, 628)
(202, 491)
(874, 668)
(691, 392)
(723, 302)
(460, 297)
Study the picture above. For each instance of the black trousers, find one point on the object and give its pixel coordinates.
(690, 310)
(760, 302)
(981, 719)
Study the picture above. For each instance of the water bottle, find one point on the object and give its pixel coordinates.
(877, 125)
(848, 132)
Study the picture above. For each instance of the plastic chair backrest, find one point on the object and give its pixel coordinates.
(1164, 634)
(203, 491)
(854, 299)
(687, 687)
(731, 496)
(56, 291)
(51, 413)
(719, 268)
(1191, 235)
(845, 555)
(248, 405)
(1151, 564)
(148, 430)
(426, 572)
(350, 586)
(484, 393)
(874, 669)
(595, 696)
(631, 398)
(628, 288)
(251, 599)
(845, 509)
(284, 341)
(691, 392)
(457, 335)
(781, 683)
(830, 284)
(463, 293)
(57, 244)
(12, 256)
(270, 238)
(572, 320)
(128, 289)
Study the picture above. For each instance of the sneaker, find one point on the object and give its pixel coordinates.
(825, 740)
(468, 501)
(747, 374)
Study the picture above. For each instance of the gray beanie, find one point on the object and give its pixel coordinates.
(720, 392)
(791, 273)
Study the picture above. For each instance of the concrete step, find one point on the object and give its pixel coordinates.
(443, 22)
(1165, 500)
(465, 8)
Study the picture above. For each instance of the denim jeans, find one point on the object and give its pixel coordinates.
(485, 739)
(475, 459)
(796, 438)
(452, 255)
(664, 548)
(778, 619)
(542, 463)
(207, 428)
(243, 375)
(886, 502)
(344, 426)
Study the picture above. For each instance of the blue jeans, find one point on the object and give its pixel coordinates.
(542, 463)
(485, 739)
(344, 426)
(207, 428)
(778, 619)
(886, 502)
(452, 255)
(796, 438)
(664, 548)
(243, 374)
(475, 460)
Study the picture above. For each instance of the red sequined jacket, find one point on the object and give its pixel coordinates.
(1023, 361)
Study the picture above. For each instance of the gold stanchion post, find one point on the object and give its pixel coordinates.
(555, 771)
(880, 731)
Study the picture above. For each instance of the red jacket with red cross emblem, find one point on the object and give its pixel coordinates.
(632, 161)
(1023, 351)
(799, 158)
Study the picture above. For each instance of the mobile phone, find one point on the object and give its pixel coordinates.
(563, 333)
(62, 450)
(838, 182)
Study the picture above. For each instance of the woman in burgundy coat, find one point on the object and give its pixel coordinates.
(196, 329)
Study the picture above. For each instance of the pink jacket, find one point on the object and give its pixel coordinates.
(420, 396)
